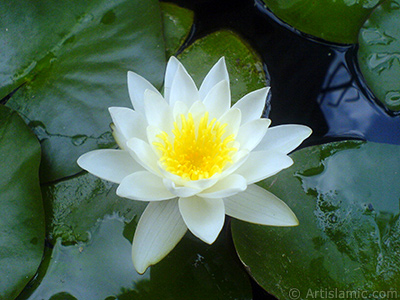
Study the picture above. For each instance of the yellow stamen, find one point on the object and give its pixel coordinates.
(197, 151)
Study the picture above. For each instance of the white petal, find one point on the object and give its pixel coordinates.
(109, 164)
(202, 184)
(252, 105)
(128, 122)
(159, 230)
(226, 187)
(232, 117)
(263, 164)
(204, 217)
(197, 110)
(143, 154)
(256, 205)
(179, 191)
(137, 85)
(217, 73)
(251, 133)
(194, 184)
(183, 88)
(118, 137)
(179, 109)
(284, 138)
(172, 66)
(158, 112)
(239, 158)
(144, 186)
(218, 100)
(152, 133)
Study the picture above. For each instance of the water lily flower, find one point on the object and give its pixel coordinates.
(194, 158)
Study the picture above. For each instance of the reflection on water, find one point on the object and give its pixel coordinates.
(347, 110)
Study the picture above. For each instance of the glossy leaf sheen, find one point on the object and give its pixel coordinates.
(86, 271)
(244, 65)
(332, 20)
(102, 269)
(21, 209)
(76, 68)
(379, 53)
(346, 197)
(201, 272)
(177, 23)
(73, 207)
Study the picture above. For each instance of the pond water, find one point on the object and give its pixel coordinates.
(312, 82)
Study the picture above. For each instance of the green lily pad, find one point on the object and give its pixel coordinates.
(202, 272)
(346, 196)
(379, 53)
(177, 23)
(244, 64)
(336, 21)
(73, 207)
(94, 270)
(21, 209)
(102, 268)
(76, 68)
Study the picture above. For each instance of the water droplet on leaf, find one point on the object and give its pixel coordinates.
(79, 139)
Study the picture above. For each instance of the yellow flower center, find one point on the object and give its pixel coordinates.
(198, 151)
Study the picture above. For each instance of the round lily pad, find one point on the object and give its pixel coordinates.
(73, 207)
(75, 68)
(336, 21)
(346, 197)
(177, 23)
(244, 65)
(379, 53)
(21, 209)
(102, 268)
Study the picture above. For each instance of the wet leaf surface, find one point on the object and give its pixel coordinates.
(177, 23)
(101, 268)
(331, 20)
(379, 53)
(22, 228)
(346, 197)
(73, 207)
(79, 68)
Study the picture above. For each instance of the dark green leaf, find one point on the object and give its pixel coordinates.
(378, 55)
(73, 206)
(102, 268)
(86, 271)
(202, 272)
(332, 20)
(21, 208)
(75, 68)
(346, 196)
(244, 65)
(177, 24)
